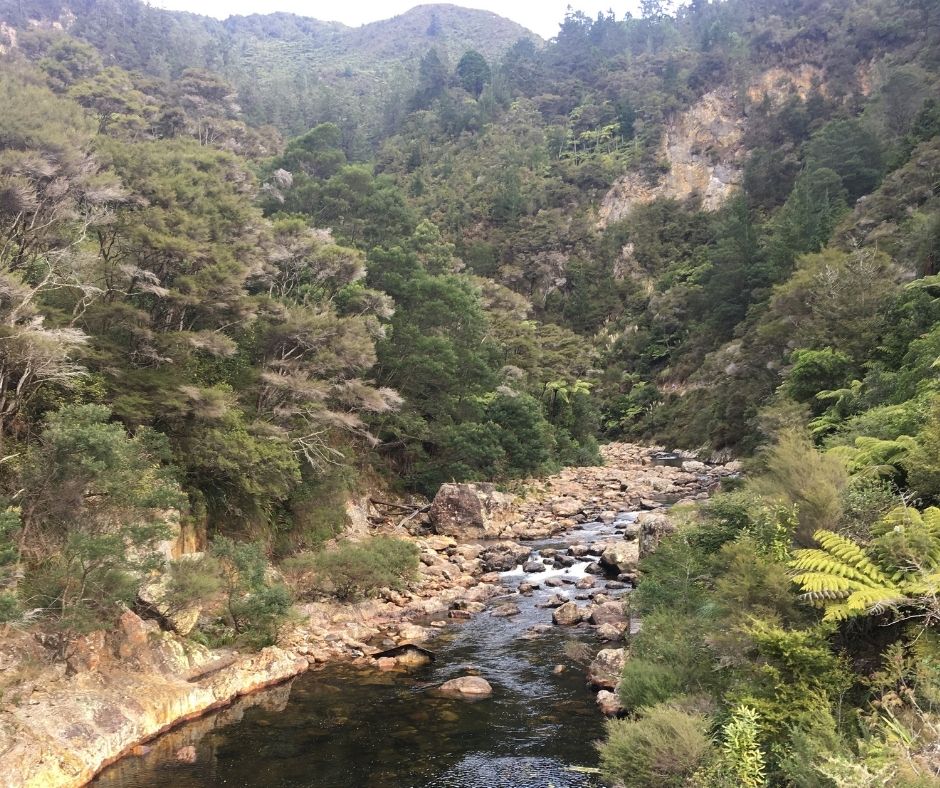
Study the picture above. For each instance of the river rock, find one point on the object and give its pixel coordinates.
(609, 613)
(653, 527)
(622, 556)
(594, 569)
(505, 611)
(503, 556)
(467, 686)
(471, 511)
(585, 582)
(609, 703)
(533, 567)
(609, 632)
(567, 507)
(578, 550)
(606, 668)
(554, 582)
(631, 530)
(567, 615)
(527, 588)
(555, 600)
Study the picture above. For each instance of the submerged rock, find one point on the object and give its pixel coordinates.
(467, 686)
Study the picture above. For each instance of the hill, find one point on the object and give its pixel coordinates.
(290, 71)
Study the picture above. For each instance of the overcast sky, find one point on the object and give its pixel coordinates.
(542, 16)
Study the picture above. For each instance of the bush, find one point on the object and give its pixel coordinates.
(256, 604)
(647, 683)
(358, 569)
(661, 749)
(796, 473)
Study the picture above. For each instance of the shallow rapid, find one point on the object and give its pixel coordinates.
(359, 727)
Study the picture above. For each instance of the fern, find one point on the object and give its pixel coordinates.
(849, 580)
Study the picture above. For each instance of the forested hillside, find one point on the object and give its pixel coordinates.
(248, 267)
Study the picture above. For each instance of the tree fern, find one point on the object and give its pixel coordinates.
(899, 569)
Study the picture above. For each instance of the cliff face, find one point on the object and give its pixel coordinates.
(702, 146)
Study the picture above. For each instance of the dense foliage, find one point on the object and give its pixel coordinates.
(433, 279)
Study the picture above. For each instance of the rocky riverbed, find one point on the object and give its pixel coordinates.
(66, 719)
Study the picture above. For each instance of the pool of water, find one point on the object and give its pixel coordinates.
(348, 726)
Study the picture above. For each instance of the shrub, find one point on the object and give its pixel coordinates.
(663, 748)
(796, 473)
(647, 683)
(358, 569)
(256, 604)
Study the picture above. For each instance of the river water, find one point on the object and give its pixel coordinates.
(359, 727)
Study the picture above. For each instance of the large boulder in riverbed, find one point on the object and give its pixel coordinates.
(653, 527)
(467, 687)
(471, 511)
(567, 615)
(621, 556)
(606, 668)
(609, 613)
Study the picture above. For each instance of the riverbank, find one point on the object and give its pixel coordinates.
(121, 688)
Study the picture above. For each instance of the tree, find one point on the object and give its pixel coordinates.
(473, 72)
(850, 150)
(432, 80)
(92, 507)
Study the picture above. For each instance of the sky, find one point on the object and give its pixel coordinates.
(541, 16)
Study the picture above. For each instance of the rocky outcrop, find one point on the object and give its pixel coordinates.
(702, 146)
(79, 726)
(471, 511)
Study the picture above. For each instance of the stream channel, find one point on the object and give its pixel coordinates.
(349, 726)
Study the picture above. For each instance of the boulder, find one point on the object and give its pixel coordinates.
(567, 507)
(471, 511)
(609, 613)
(505, 611)
(606, 668)
(467, 687)
(531, 567)
(622, 556)
(503, 556)
(567, 615)
(653, 527)
(609, 632)
(609, 703)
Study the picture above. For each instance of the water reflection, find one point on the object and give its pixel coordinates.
(357, 727)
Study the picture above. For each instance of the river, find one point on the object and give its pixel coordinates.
(347, 726)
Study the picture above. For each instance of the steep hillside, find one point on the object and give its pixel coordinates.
(290, 71)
